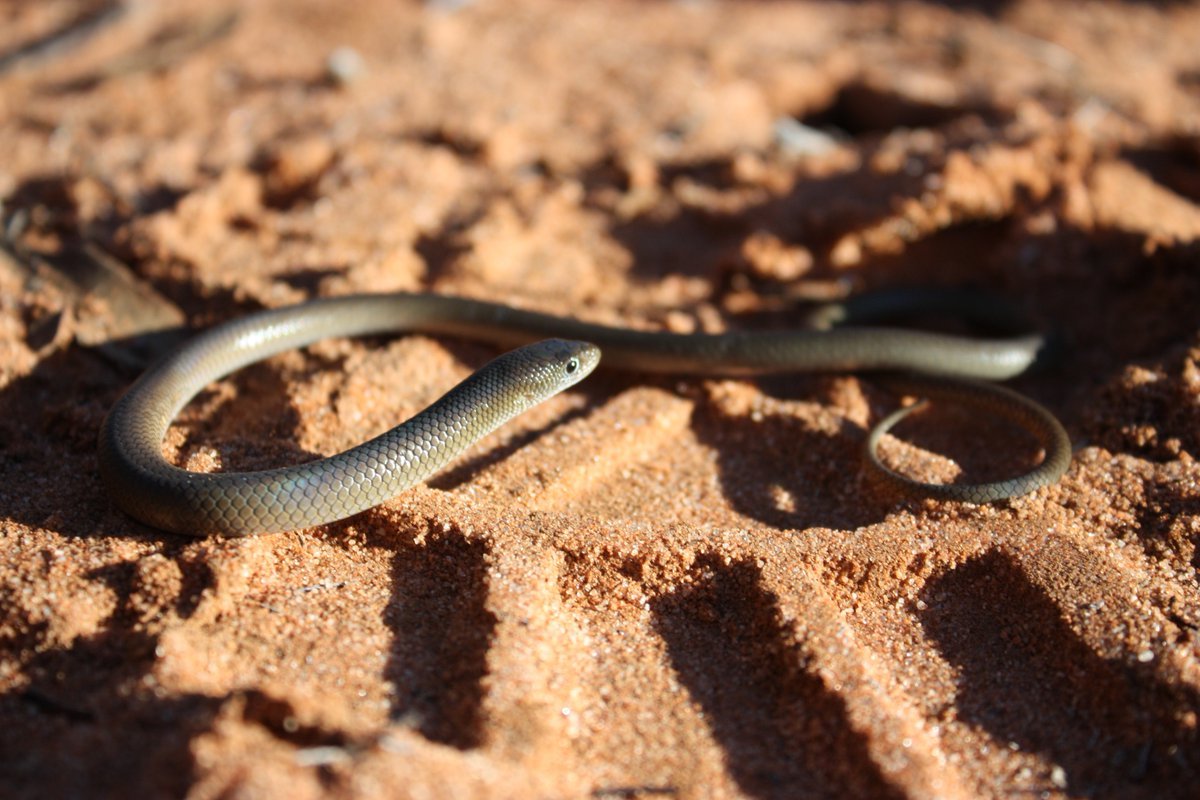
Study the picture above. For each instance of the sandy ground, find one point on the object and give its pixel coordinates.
(644, 588)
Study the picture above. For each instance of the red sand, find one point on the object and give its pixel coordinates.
(644, 588)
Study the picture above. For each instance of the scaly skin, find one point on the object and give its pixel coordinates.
(160, 494)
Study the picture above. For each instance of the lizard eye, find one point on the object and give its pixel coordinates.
(572, 365)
